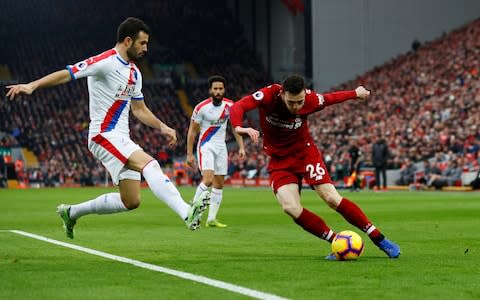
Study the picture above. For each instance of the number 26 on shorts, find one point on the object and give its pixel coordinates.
(316, 172)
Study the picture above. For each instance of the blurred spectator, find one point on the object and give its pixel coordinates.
(380, 156)
(430, 169)
(451, 176)
(407, 173)
(354, 158)
(475, 184)
(416, 44)
(3, 180)
(195, 175)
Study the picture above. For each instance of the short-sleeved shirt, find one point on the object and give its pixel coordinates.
(212, 120)
(112, 84)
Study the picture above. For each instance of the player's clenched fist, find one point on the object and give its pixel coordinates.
(362, 92)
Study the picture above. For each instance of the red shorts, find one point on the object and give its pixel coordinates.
(307, 165)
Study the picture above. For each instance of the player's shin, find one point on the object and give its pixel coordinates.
(215, 201)
(164, 189)
(200, 189)
(315, 225)
(103, 204)
(355, 216)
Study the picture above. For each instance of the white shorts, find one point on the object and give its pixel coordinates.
(213, 157)
(113, 150)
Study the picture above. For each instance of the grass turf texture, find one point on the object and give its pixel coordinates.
(262, 249)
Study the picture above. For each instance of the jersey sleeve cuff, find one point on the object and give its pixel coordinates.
(69, 68)
(137, 98)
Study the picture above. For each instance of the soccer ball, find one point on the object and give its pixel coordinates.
(347, 245)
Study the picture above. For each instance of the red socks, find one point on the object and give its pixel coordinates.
(350, 211)
(315, 225)
(355, 216)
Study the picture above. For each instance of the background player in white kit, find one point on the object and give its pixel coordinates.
(210, 118)
(115, 87)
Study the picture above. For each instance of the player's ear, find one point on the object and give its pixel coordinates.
(128, 41)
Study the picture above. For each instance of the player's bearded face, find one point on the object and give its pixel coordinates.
(293, 102)
(138, 49)
(217, 91)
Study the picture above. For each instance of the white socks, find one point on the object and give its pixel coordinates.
(215, 201)
(158, 182)
(164, 189)
(104, 204)
(200, 188)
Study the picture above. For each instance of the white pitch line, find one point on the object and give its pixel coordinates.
(201, 279)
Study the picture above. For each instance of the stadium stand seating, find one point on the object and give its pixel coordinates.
(53, 123)
(426, 103)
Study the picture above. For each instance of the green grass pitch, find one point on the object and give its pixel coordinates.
(262, 249)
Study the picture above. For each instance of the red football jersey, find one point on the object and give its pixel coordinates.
(284, 133)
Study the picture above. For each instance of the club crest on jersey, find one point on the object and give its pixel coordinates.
(133, 76)
(258, 95)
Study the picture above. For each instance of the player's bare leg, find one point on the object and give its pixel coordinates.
(329, 194)
(355, 216)
(165, 190)
(289, 198)
(130, 193)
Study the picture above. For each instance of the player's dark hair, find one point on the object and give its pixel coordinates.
(215, 78)
(131, 27)
(294, 84)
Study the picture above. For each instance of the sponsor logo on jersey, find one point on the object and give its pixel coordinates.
(218, 122)
(125, 93)
(288, 124)
(223, 118)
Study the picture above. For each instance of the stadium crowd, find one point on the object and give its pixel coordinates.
(425, 103)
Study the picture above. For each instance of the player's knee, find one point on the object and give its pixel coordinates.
(332, 199)
(292, 209)
(329, 194)
(208, 181)
(132, 202)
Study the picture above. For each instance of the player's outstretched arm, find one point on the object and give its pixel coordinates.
(360, 93)
(145, 115)
(52, 79)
